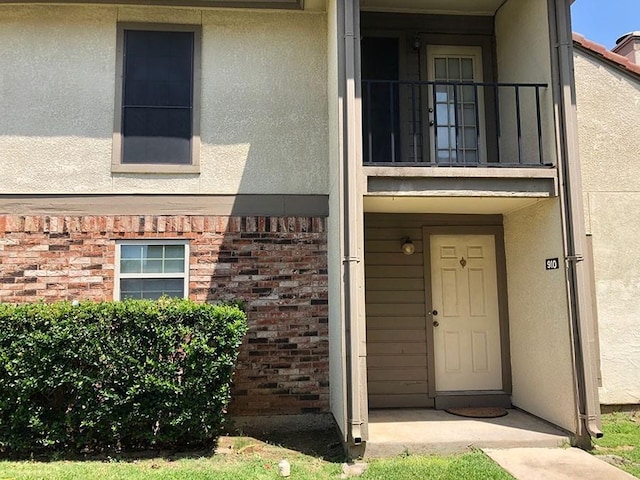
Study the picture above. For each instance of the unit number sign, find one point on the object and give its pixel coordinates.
(552, 264)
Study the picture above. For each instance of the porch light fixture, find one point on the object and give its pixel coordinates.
(408, 247)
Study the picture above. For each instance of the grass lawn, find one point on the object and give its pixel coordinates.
(312, 456)
(247, 458)
(621, 441)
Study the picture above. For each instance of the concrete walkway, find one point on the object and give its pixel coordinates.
(555, 464)
(428, 431)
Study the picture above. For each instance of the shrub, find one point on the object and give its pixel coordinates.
(126, 375)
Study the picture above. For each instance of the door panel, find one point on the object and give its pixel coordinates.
(465, 312)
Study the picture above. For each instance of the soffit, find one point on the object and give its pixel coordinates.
(275, 4)
(449, 205)
(441, 7)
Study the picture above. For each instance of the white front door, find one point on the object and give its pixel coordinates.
(465, 313)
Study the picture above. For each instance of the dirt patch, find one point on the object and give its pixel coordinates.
(322, 444)
(633, 409)
(616, 460)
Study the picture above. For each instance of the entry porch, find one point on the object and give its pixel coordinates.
(428, 431)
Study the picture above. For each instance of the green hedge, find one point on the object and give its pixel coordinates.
(115, 375)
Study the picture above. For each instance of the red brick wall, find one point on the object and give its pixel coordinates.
(277, 265)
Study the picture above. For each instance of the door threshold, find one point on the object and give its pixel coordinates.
(469, 392)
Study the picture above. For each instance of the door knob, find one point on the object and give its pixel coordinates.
(434, 313)
(436, 323)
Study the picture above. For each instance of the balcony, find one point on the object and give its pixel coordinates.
(453, 123)
(457, 106)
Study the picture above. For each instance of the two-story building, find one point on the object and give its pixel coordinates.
(608, 95)
(392, 187)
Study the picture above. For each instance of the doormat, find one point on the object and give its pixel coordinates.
(481, 412)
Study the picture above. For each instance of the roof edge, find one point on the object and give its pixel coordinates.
(601, 51)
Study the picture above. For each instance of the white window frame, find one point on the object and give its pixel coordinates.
(475, 53)
(142, 242)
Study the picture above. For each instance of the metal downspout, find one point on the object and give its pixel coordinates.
(574, 235)
(353, 219)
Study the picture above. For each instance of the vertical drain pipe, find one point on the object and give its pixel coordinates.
(573, 218)
(353, 228)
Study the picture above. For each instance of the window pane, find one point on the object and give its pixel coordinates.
(174, 266)
(442, 115)
(130, 288)
(444, 156)
(130, 258)
(452, 115)
(131, 251)
(130, 266)
(441, 93)
(152, 266)
(451, 94)
(154, 251)
(174, 251)
(441, 69)
(471, 156)
(470, 137)
(468, 95)
(443, 138)
(151, 288)
(454, 69)
(467, 69)
(469, 115)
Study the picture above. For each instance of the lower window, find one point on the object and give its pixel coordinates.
(152, 268)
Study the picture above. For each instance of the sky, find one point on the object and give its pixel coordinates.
(604, 21)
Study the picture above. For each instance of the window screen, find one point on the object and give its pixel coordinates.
(157, 120)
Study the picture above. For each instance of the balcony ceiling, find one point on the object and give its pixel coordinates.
(448, 205)
(442, 7)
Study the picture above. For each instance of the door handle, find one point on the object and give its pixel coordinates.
(433, 312)
(436, 323)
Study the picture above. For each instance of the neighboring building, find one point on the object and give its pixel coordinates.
(628, 46)
(608, 98)
(391, 185)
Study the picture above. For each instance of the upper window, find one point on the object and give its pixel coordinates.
(156, 125)
(151, 268)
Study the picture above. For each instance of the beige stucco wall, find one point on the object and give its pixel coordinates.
(264, 101)
(541, 358)
(523, 55)
(337, 360)
(608, 122)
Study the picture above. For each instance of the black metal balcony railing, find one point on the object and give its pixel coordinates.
(453, 123)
